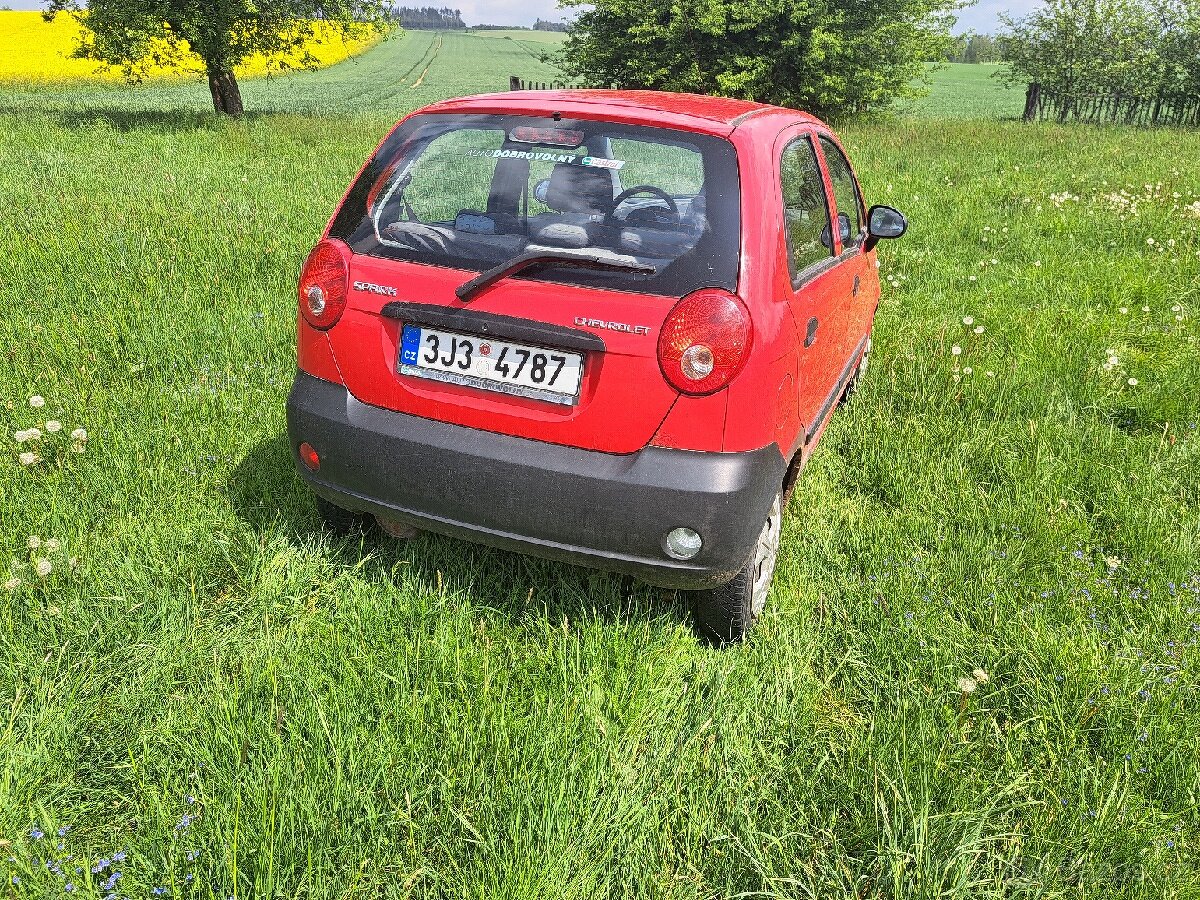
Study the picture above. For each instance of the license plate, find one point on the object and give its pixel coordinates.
(492, 365)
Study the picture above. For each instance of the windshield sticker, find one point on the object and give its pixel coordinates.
(544, 156)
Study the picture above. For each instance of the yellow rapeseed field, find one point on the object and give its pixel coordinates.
(34, 50)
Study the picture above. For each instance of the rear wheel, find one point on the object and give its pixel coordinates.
(726, 614)
(860, 370)
(340, 521)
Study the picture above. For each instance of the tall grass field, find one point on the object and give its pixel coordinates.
(976, 676)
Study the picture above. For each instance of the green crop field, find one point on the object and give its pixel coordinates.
(963, 91)
(209, 695)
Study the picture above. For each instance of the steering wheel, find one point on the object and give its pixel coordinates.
(644, 189)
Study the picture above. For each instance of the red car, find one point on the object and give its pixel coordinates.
(596, 326)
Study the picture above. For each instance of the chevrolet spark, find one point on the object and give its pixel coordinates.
(600, 327)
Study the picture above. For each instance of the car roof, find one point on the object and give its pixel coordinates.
(693, 112)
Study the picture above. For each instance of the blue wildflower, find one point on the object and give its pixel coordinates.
(69, 887)
(36, 833)
(119, 856)
(159, 891)
(62, 832)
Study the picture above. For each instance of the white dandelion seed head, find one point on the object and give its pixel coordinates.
(43, 567)
(37, 401)
(12, 584)
(967, 685)
(34, 542)
(28, 458)
(1133, 382)
(79, 435)
(981, 676)
(979, 329)
(54, 426)
(967, 370)
(52, 544)
(956, 350)
(967, 320)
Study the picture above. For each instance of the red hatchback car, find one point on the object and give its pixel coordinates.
(600, 327)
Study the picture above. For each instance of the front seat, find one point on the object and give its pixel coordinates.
(582, 199)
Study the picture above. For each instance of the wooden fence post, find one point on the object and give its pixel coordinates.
(1031, 101)
(514, 83)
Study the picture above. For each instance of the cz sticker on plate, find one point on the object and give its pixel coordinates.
(490, 364)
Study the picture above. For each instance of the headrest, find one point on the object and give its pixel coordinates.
(580, 189)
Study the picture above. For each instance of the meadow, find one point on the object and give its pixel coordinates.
(204, 692)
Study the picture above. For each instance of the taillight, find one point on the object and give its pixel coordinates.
(324, 281)
(704, 342)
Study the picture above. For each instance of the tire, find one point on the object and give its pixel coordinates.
(341, 522)
(860, 370)
(725, 614)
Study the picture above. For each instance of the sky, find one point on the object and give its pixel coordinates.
(981, 17)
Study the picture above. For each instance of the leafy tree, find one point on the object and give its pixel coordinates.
(214, 36)
(1138, 48)
(827, 56)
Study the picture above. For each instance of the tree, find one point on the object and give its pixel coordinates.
(213, 37)
(1102, 46)
(827, 56)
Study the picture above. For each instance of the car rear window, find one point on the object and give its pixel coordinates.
(474, 191)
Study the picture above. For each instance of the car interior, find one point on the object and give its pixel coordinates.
(578, 207)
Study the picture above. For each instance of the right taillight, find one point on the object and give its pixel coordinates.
(324, 281)
(704, 342)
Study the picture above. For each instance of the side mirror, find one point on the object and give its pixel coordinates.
(542, 190)
(884, 222)
(844, 227)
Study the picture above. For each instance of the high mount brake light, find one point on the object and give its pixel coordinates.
(556, 137)
(324, 282)
(704, 342)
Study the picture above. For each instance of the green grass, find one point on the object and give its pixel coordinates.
(968, 91)
(365, 719)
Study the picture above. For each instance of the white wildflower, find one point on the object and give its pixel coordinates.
(981, 676)
(1114, 360)
(34, 542)
(79, 435)
(956, 350)
(54, 426)
(43, 567)
(967, 320)
(967, 685)
(1124, 310)
(1133, 382)
(28, 458)
(37, 401)
(1113, 562)
(12, 584)
(979, 329)
(52, 545)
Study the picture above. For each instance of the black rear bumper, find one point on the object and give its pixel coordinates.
(597, 509)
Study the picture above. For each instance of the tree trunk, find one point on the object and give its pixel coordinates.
(226, 95)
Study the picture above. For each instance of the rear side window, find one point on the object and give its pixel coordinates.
(475, 191)
(805, 209)
(845, 191)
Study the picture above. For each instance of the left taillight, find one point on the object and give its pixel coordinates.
(324, 282)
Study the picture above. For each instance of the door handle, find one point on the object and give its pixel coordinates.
(811, 335)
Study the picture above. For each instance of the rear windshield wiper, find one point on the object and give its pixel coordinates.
(532, 258)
